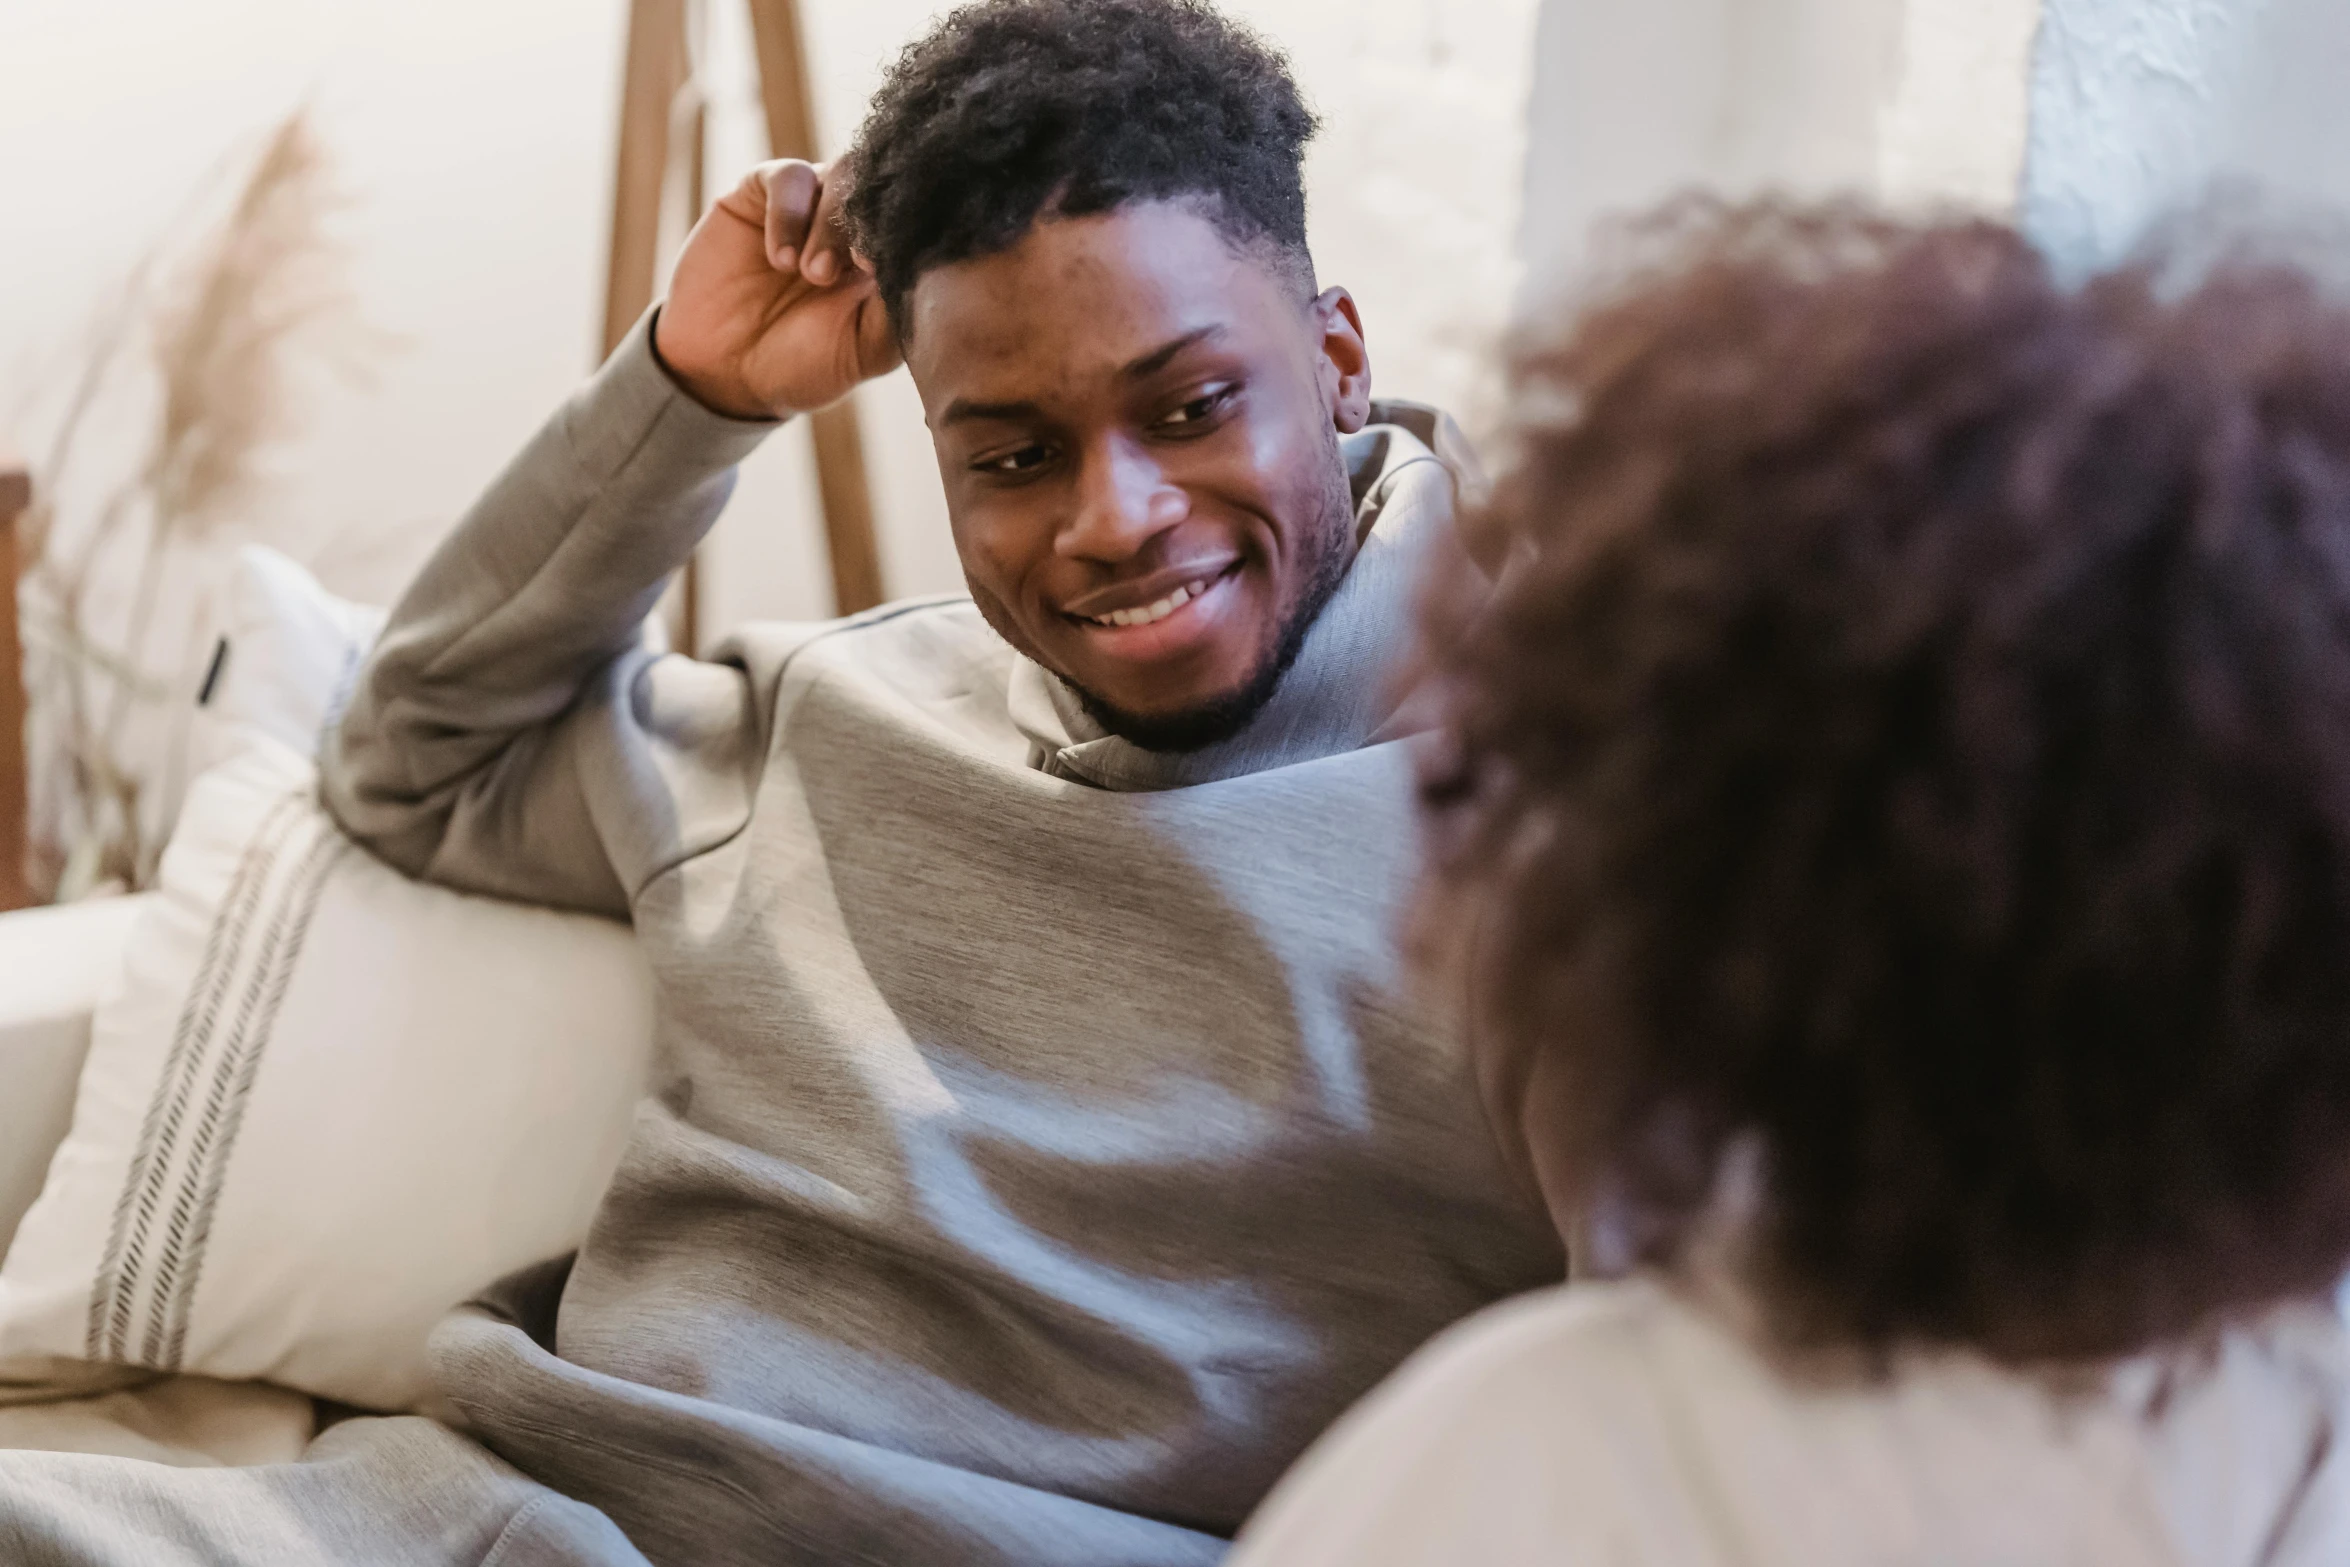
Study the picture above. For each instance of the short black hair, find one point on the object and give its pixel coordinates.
(1012, 109)
(1910, 742)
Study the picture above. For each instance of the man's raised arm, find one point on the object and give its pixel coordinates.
(457, 757)
(518, 647)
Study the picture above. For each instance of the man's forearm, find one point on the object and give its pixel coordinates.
(548, 578)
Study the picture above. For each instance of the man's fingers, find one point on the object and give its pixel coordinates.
(797, 207)
(878, 349)
(825, 256)
(791, 191)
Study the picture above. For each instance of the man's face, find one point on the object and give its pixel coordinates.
(1137, 425)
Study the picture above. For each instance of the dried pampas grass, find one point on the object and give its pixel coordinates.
(225, 325)
(216, 337)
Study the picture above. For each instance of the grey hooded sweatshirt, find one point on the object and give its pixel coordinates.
(1049, 1144)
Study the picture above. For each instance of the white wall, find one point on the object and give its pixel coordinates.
(474, 143)
(1911, 101)
(2139, 105)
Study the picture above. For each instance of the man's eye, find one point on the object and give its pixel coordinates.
(1024, 459)
(1199, 409)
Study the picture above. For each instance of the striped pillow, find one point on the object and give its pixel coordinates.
(328, 1104)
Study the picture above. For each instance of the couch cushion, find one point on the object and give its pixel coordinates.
(55, 964)
(188, 1422)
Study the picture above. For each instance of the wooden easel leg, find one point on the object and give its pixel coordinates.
(15, 893)
(659, 66)
(848, 507)
(841, 479)
(689, 581)
(655, 70)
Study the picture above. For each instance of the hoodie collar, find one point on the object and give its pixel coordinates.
(1406, 470)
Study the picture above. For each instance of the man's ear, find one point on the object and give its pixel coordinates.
(1346, 361)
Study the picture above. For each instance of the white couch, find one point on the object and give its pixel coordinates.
(54, 965)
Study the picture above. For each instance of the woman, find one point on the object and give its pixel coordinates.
(1893, 809)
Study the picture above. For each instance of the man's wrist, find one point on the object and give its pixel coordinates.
(715, 403)
(635, 411)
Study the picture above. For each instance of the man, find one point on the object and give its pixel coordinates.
(1049, 1150)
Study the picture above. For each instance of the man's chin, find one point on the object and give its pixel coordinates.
(1211, 720)
(1194, 727)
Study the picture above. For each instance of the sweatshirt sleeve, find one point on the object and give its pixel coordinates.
(508, 690)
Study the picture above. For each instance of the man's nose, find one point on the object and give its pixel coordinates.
(1124, 500)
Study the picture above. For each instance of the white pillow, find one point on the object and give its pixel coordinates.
(287, 656)
(328, 1104)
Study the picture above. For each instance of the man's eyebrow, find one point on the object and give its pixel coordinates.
(963, 409)
(1158, 358)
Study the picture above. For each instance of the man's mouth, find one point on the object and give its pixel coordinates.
(1151, 612)
(1157, 610)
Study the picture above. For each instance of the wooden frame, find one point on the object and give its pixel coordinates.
(16, 498)
(654, 108)
(840, 442)
(655, 71)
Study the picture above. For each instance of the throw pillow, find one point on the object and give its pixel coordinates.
(328, 1104)
(285, 659)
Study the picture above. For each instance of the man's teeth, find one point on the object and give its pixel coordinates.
(1147, 613)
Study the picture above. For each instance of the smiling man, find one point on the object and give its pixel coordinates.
(1049, 1148)
(1138, 426)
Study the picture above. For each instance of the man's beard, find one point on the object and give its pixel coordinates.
(1212, 722)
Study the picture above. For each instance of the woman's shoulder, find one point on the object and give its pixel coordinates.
(1515, 1434)
(1576, 1354)
(2248, 1439)
(1543, 1361)
(1556, 1327)
(1630, 1422)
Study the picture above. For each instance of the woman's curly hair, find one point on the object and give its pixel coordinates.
(1907, 739)
(1012, 109)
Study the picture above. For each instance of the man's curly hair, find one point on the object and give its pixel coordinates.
(1907, 741)
(1011, 110)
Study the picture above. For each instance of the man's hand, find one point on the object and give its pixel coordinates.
(770, 312)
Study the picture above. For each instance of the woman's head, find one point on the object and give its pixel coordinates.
(1907, 741)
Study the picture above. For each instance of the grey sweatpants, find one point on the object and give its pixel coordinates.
(397, 1492)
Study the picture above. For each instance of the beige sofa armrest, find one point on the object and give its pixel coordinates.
(55, 965)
